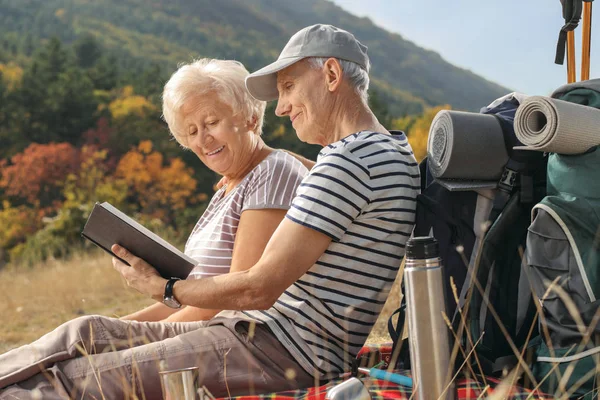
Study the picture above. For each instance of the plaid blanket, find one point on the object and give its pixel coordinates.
(382, 390)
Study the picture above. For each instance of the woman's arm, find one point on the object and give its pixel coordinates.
(254, 231)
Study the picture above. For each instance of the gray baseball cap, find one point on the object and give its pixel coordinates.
(313, 41)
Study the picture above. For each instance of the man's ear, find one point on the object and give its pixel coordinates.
(333, 74)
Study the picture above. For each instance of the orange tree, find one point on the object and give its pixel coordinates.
(159, 189)
(37, 175)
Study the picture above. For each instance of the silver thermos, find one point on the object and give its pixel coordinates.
(427, 331)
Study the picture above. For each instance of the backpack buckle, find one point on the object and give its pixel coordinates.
(508, 180)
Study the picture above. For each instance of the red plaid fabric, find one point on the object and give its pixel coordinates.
(382, 390)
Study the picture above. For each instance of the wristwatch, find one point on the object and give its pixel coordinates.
(168, 298)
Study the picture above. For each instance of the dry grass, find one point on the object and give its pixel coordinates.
(33, 301)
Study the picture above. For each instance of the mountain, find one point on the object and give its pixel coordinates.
(167, 32)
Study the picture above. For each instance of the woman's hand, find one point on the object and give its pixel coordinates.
(140, 275)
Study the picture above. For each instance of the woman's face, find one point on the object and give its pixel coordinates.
(224, 142)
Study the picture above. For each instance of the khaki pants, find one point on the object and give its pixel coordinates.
(106, 358)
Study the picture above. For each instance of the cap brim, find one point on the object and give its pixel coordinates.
(262, 84)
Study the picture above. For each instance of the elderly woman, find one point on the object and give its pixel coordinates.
(210, 112)
(307, 306)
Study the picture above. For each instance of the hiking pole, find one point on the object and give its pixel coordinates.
(566, 37)
(586, 40)
(571, 77)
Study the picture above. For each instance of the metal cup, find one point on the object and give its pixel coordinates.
(352, 389)
(179, 384)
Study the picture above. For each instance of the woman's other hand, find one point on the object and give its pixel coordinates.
(139, 275)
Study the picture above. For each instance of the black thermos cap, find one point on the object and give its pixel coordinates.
(422, 248)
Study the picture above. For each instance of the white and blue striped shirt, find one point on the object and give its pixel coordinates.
(362, 193)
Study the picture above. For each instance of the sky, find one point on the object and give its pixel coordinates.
(510, 42)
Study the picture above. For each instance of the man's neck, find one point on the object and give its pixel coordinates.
(358, 118)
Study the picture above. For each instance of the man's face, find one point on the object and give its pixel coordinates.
(302, 97)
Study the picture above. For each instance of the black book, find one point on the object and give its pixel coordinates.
(106, 226)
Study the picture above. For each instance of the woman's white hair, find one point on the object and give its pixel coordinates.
(225, 78)
(354, 73)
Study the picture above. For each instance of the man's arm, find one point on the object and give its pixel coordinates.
(292, 250)
(254, 231)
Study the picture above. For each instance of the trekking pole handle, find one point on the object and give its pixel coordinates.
(388, 376)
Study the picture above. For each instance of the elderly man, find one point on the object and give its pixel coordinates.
(302, 312)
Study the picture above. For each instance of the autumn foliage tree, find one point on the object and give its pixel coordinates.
(18, 223)
(417, 129)
(38, 174)
(59, 234)
(161, 189)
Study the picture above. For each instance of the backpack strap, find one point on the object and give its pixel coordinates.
(400, 350)
(396, 333)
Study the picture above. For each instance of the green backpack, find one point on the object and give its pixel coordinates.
(563, 266)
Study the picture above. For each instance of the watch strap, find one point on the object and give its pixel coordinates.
(169, 287)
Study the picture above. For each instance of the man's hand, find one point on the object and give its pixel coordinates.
(309, 164)
(140, 275)
(222, 182)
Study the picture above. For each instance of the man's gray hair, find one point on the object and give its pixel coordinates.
(356, 75)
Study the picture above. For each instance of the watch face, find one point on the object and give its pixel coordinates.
(171, 302)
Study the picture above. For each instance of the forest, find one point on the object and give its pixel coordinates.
(80, 108)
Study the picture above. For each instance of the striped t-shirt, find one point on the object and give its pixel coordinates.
(362, 193)
(271, 184)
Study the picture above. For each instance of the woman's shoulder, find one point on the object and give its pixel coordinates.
(273, 183)
(279, 162)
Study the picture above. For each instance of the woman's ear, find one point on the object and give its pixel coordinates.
(252, 123)
(333, 73)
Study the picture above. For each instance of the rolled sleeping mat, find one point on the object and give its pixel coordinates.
(466, 146)
(556, 126)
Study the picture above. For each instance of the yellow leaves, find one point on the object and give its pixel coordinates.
(60, 13)
(280, 131)
(157, 187)
(17, 223)
(128, 103)
(92, 183)
(145, 146)
(11, 75)
(417, 129)
(128, 91)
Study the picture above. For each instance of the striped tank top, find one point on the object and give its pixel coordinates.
(271, 184)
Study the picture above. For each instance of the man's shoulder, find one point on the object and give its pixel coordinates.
(368, 149)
